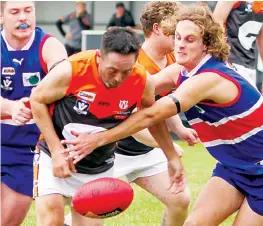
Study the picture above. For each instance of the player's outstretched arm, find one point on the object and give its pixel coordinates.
(192, 91)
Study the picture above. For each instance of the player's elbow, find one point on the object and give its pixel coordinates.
(35, 97)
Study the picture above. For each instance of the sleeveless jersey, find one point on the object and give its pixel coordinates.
(89, 104)
(243, 25)
(20, 72)
(129, 145)
(231, 132)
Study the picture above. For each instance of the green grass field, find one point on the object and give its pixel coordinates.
(146, 210)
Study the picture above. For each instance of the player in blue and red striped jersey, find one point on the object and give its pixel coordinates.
(224, 109)
(25, 59)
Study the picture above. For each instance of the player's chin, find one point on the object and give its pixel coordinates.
(113, 85)
(181, 60)
(25, 33)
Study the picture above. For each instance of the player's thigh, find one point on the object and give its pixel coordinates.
(217, 200)
(79, 220)
(14, 206)
(158, 186)
(246, 216)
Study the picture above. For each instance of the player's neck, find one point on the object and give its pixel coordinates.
(190, 66)
(153, 50)
(16, 43)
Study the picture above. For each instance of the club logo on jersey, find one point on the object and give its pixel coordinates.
(8, 71)
(87, 95)
(81, 107)
(31, 79)
(248, 7)
(6, 83)
(123, 104)
(18, 61)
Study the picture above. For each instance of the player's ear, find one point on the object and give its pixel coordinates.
(98, 56)
(156, 28)
(1, 18)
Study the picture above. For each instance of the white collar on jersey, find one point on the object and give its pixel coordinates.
(185, 73)
(26, 47)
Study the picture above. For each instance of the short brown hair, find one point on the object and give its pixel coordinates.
(214, 37)
(157, 12)
(3, 6)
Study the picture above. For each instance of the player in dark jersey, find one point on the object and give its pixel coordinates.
(224, 109)
(89, 92)
(243, 21)
(25, 59)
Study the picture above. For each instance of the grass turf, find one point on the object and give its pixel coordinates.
(145, 209)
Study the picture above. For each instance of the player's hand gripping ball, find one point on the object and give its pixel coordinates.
(103, 198)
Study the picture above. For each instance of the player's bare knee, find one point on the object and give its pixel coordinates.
(50, 211)
(179, 201)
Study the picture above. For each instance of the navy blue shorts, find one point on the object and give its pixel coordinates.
(17, 170)
(251, 186)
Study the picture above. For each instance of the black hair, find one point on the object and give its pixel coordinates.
(120, 40)
(119, 4)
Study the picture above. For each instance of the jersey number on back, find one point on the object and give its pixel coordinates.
(248, 32)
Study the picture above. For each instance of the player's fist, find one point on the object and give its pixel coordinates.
(21, 114)
(61, 167)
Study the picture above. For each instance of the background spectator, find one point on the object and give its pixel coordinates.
(122, 17)
(78, 21)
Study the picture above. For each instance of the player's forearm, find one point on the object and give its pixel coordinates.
(45, 125)
(59, 24)
(129, 127)
(174, 124)
(162, 136)
(6, 106)
(139, 120)
(145, 137)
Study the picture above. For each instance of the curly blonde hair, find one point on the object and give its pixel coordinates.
(158, 12)
(214, 37)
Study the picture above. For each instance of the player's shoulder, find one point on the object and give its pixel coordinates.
(143, 58)
(138, 69)
(83, 61)
(82, 56)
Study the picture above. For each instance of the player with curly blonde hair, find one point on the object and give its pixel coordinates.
(224, 109)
